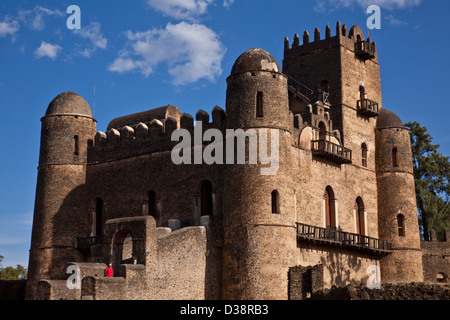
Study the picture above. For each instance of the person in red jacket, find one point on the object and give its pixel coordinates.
(109, 271)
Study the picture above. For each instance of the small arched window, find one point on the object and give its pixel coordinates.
(401, 225)
(395, 157)
(259, 105)
(330, 213)
(364, 155)
(275, 202)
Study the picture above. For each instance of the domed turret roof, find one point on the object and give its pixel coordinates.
(255, 60)
(388, 119)
(69, 103)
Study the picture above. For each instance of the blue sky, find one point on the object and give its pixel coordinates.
(144, 54)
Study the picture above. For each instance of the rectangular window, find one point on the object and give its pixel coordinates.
(75, 145)
(394, 157)
(259, 105)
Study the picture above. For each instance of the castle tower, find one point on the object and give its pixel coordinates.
(342, 71)
(259, 218)
(67, 130)
(397, 208)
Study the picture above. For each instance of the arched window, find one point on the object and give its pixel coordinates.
(401, 225)
(360, 225)
(364, 154)
(206, 199)
(322, 131)
(275, 202)
(394, 157)
(99, 219)
(330, 213)
(259, 105)
(362, 93)
(149, 206)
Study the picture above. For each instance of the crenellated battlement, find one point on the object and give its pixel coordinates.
(149, 137)
(352, 39)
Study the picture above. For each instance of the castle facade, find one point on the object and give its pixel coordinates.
(342, 199)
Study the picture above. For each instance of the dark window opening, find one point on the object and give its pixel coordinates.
(364, 154)
(394, 157)
(275, 202)
(206, 198)
(401, 225)
(152, 208)
(259, 105)
(75, 145)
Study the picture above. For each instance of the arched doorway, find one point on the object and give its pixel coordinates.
(360, 222)
(123, 250)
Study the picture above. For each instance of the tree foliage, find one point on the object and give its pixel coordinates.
(431, 176)
(10, 273)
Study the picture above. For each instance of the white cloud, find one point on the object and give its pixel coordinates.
(191, 52)
(8, 27)
(48, 50)
(35, 18)
(326, 5)
(93, 33)
(228, 3)
(181, 9)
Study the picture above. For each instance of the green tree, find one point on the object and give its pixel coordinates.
(431, 176)
(10, 273)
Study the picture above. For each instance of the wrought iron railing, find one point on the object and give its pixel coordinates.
(343, 239)
(365, 49)
(332, 151)
(368, 107)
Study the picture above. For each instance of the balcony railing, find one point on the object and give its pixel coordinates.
(352, 241)
(368, 108)
(365, 50)
(332, 151)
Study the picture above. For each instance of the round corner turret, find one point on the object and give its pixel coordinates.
(257, 93)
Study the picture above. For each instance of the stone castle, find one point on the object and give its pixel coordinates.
(341, 203)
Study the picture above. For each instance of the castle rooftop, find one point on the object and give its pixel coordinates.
(255, 60)
(387, 119)
(69, 103)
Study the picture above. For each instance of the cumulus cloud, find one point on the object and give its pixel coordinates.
(8, 27)
(181, 9)
(35, 18)
(93, 33)
(48, 50)
(190, 51)
(324, 5)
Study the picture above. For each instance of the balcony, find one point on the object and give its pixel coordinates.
(365, 50)
(368, 108)
(350, 241)
(332, 151)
